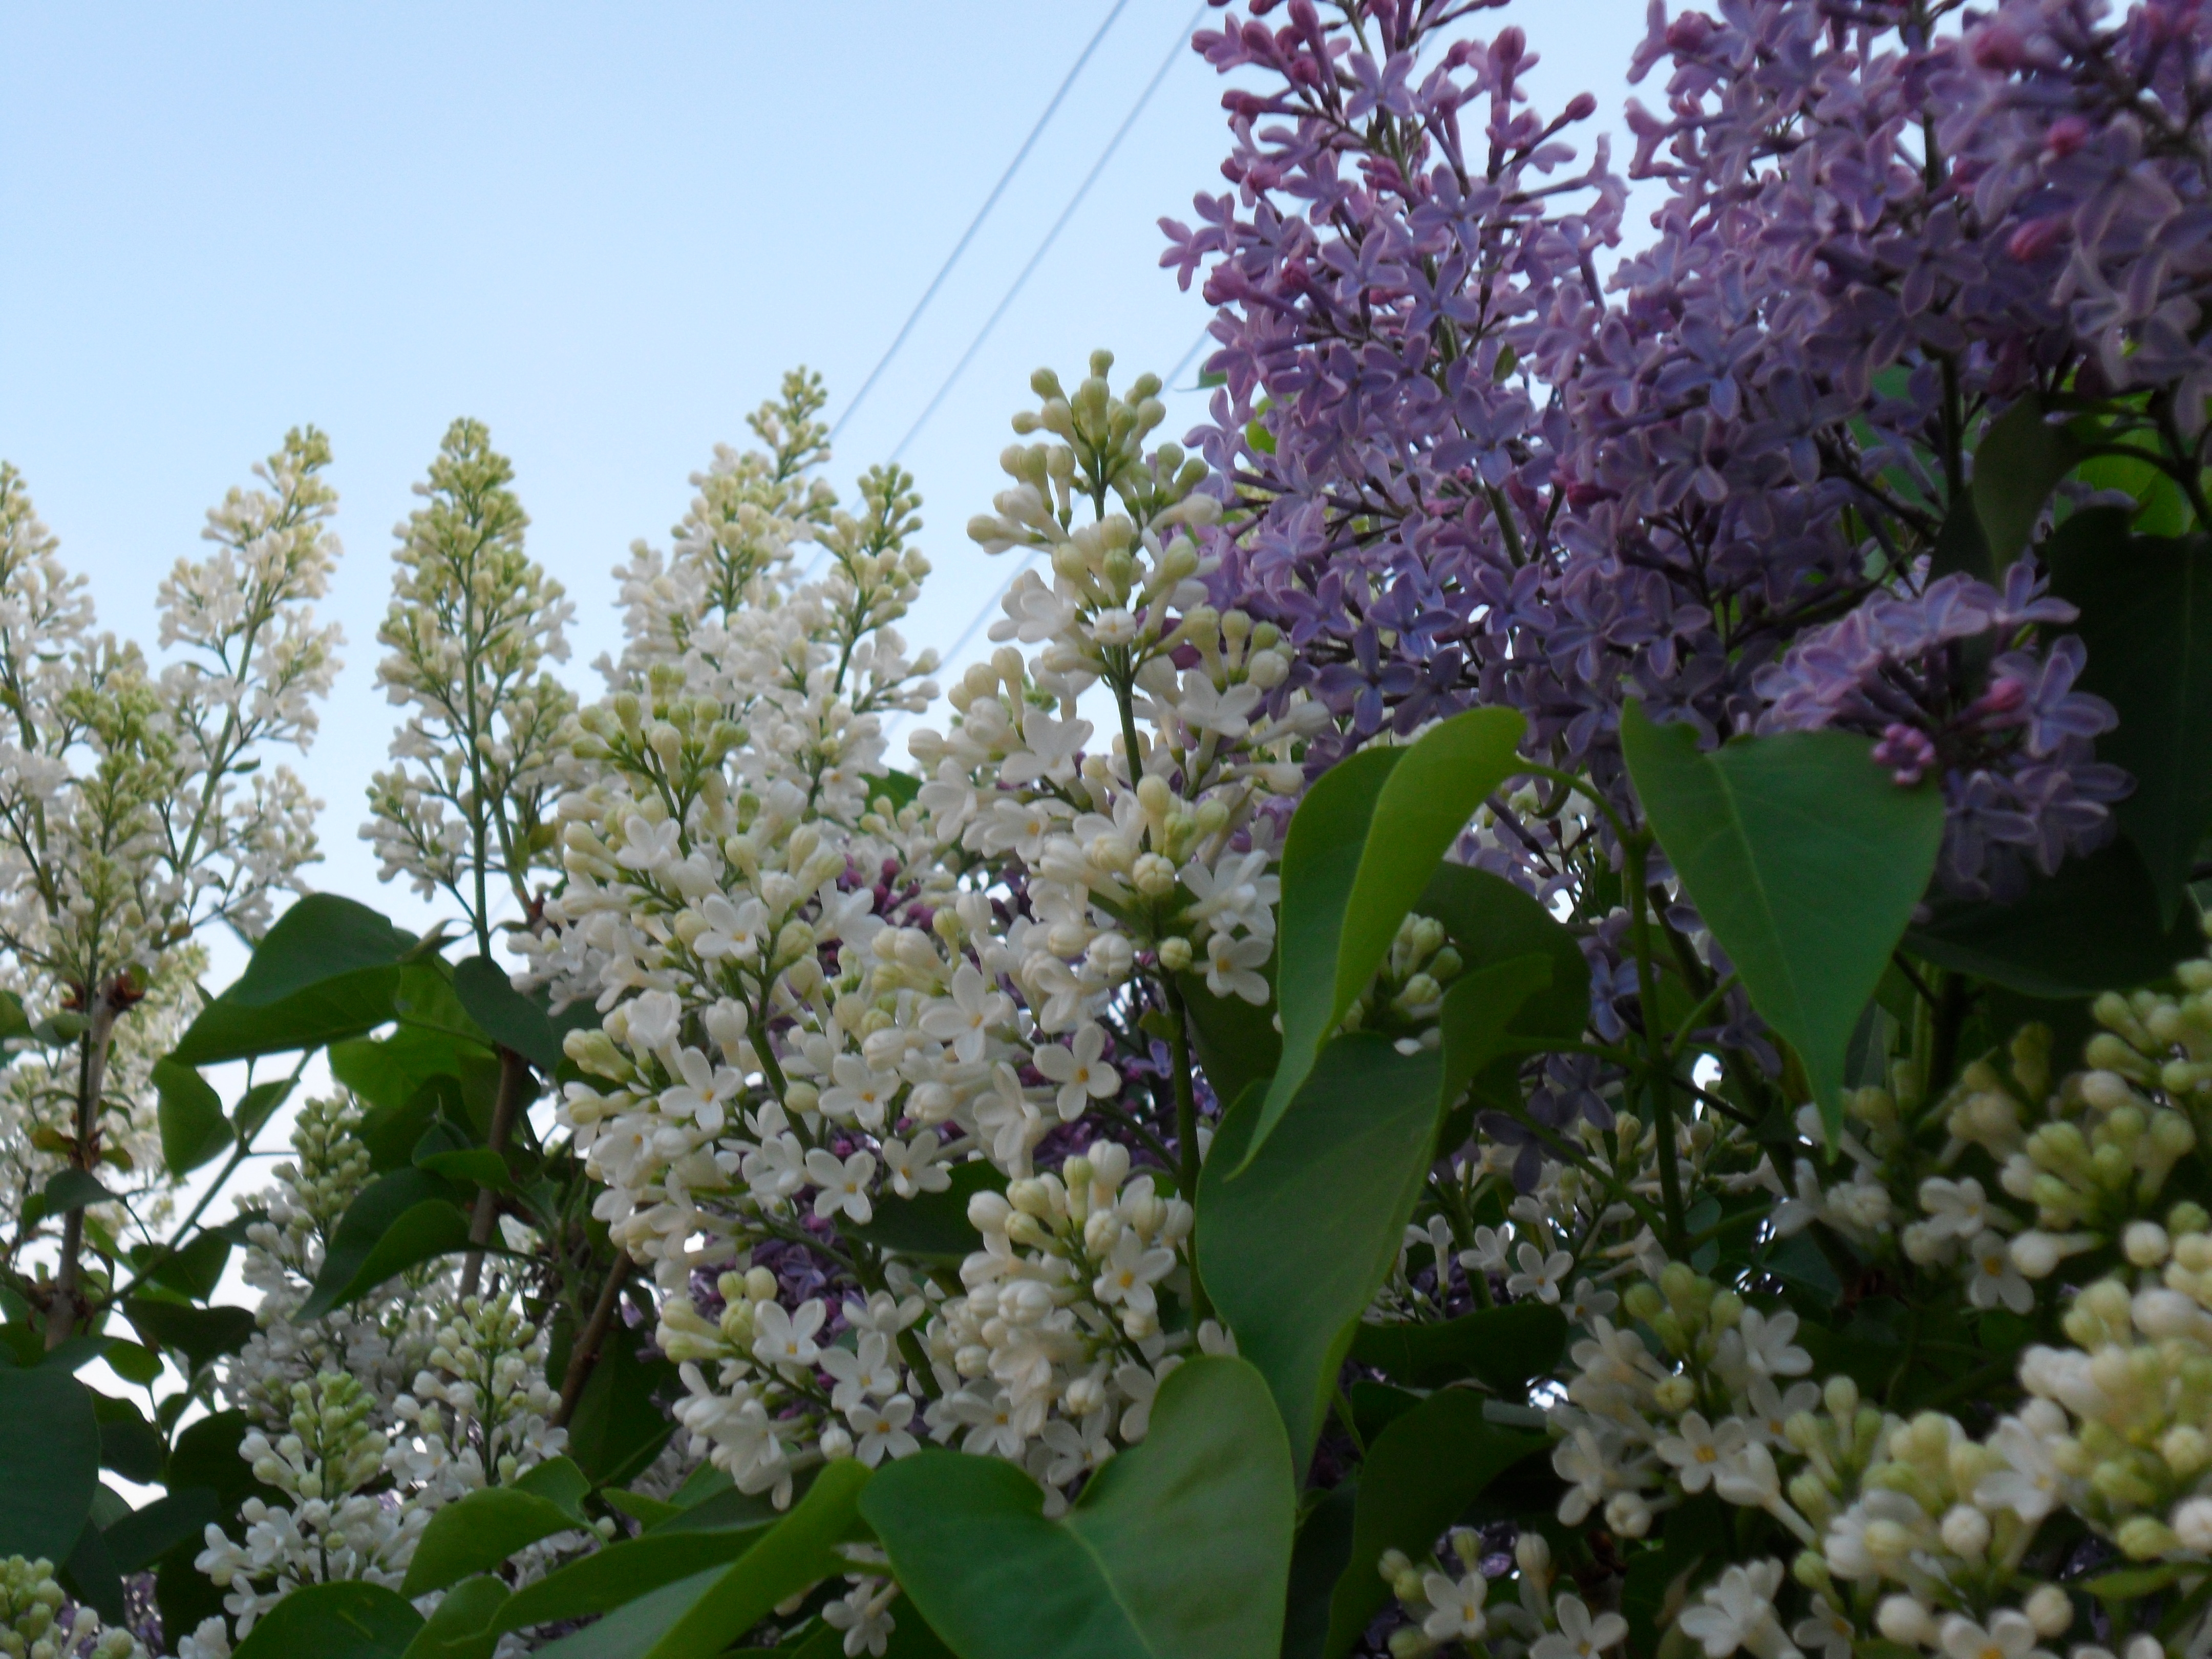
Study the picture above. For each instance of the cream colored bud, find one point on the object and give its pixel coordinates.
(2050, 1610)
(2144, 1243)
(1903, 1618)
(1966, 1531)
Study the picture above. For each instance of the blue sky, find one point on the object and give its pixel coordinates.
(603, 230)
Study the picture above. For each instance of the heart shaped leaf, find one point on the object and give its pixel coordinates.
(1804, 858)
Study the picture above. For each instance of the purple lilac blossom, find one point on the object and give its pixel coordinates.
(1481, 474)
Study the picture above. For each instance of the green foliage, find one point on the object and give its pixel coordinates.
(2146, 606)
(1805, 860)
(327, 970)
(399, 1221)
(49, 1462)
(342, 1620)
(1419, 1477)
(1362, 847)
(1179, 1548)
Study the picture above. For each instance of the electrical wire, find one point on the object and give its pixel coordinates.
(974, 224)
(1175, 53)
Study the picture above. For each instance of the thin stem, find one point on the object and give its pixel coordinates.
(586, 1352)
(506, 1106)
(1658, 1074)
(1186, 1094)
(91, 1080)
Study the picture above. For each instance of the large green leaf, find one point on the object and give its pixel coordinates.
(1178, 1548)
(932, 1226)
(1480, 1015)
(2043, 944)
(627, 1569)
(524, 1024)
(200, 1334)
(342, 1620)
(619, 1426)
(2146, 608)
(1504, 1346)
(1293, 1247)
(396, 1222)
(1362, 847)
(49, 1462)
(326, 969)
(465, 1626)
(1236, 1042)
(390, 1071)
(320, 937)
(1420, 1474)
(2018, 462)
(145, 1535)
(479, 1532)
(1804, 858)
(193, 1128)
(798, 1550)
(1492, 921)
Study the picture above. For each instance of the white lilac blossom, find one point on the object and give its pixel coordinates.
(141, 803)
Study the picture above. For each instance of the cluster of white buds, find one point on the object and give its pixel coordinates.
(36, 1621)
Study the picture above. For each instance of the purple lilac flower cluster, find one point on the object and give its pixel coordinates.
(1477, 471)
(2012, 742)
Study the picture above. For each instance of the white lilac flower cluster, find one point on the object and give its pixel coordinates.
(1917, 1528)
(826, 991)
(36, 1621)
(370, 1418)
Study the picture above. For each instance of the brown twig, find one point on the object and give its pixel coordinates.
(586, 1352)
(506, 1106)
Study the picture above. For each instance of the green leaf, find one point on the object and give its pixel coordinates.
(464, 1626)
(1293, 1248)
(200, 1334)
(1804, 859)
(89, 1575)
(128, 1444)
(49, 1462)
(1237, 1042)
(1362, 848)
(206, 1455)
(329, 968)
(2038, 944)
(1317, 1561)
(342, 1620)
(1420, 1474)
(522, 1024)
(322, 936)
(796, 1552)
(2017, 464)
(389, 1072)
(2146, 609)
(932, 1226)
(561, 1483)
(626, 1570)
(618, 1426)
(144, 1536)
(479, 1532)
(14, 1024)
(1479, 1014)
(396, 1222)
(1504, 1346)
(899, 788)
(194, 1128)
(74, 1189)
(1179, 1548)
(194, 1271)
(633, 1626)
(1492, 921)
(344, 1005)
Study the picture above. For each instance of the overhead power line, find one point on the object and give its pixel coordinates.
(1181, 44)
(974, 224)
